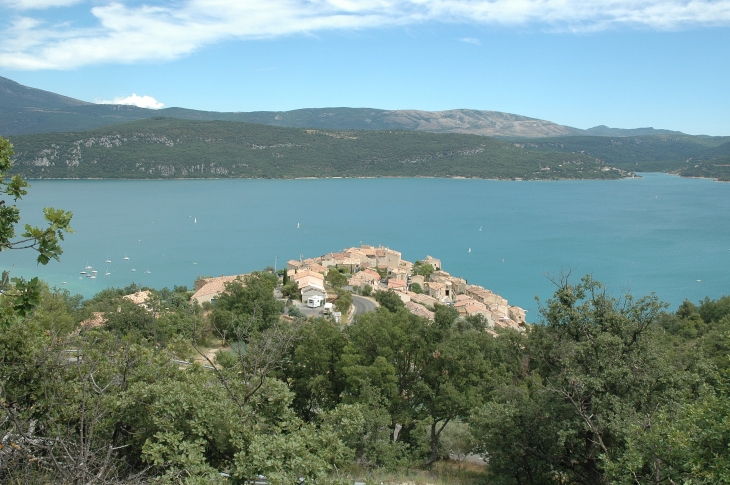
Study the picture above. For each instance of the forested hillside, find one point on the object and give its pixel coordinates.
(691, 156)
(601, 391)
(173, 148)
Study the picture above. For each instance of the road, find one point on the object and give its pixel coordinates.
(363, 305)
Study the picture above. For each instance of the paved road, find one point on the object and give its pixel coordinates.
(363, 305)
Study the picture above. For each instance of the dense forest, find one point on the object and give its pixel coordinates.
(173, 148)
(685, 155)
(599, 390)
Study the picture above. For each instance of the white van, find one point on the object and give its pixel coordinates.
(315, 301)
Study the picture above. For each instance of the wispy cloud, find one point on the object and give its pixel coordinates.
(38, 4)
(135, 100)
(471, 40)
(126, 34)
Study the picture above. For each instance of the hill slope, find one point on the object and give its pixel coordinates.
(25, 110)
(174, 148)
(685, 155)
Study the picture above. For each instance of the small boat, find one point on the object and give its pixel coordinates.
(94, 272)
(82, 272)
(480, 227)
(469, 249)
(88, 266)
(64, 283)
(107, 259)
(92, 276)
(107, 273)
(195, 221)
(133, 270)
(89, 275)
(297, 225)
(126, 258)
(148, 272)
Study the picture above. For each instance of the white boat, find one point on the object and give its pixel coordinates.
(148, 272)
(83, 272)
(195, 221)
(92, 276)
(126, 258)
(88, 266)
(133, 270)
(94, 272)
(107, 259)
(107, 273)
(64, 283)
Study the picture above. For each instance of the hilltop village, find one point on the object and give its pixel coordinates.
(420, 285)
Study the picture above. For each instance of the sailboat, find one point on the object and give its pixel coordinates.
(297, 225)
(148, 271)
(107, 272)
(88, 266)
(195, 220)
(126, 258)
(107, 259)
(480, 227)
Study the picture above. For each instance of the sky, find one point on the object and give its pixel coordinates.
(582, 63)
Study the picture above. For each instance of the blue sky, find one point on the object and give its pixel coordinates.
(623, 63)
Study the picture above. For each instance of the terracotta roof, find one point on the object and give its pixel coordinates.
(307, 272)
(393, 283)
(419, 310)
(216, 286)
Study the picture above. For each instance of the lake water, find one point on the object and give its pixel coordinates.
(659, 234)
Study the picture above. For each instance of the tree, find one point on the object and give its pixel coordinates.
(252, 298)
(290, 289)
(336, 279)
(416, 288)
(423, 269)
(19, 296)
(424, 371)
(389, 299)
(343, 301)
(589, 374)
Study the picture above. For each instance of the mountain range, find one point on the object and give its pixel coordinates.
(26, 110)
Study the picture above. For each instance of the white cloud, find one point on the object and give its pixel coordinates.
(471, 40)
(134, 100)
(38, 4)
(127, 34)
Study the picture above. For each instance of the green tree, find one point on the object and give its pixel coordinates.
(249, 300)
(416, 288)
(423, 371)
(336, 279)
(592, 371)
(423, 269)
(389, 299)
(18, 296)
(313, 368)
(343, 302)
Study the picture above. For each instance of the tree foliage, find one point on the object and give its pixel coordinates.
(20, 296)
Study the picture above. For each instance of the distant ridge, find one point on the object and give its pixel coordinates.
(25, 110)
(603, 130)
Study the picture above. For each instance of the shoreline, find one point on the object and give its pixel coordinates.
(456, 177)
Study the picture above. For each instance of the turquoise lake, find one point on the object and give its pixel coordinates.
(659, 233)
